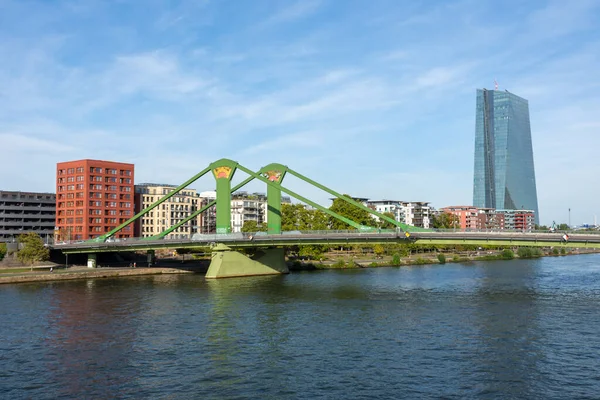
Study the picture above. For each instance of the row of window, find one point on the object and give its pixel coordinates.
(79, 203)
(110, 204)
(96, 170)
(107, 188)
(94, 212)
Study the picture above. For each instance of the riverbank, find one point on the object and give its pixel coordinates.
(45, 273)
(60, 273)
(348, 261)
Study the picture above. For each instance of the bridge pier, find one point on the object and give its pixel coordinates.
(228, 263)
(150, 257)
(92, 260)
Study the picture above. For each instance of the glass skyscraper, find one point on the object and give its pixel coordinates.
(504, 176)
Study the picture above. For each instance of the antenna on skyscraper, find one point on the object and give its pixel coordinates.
(495, 84)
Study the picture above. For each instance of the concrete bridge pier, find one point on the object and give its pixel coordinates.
(151, 258)
(228, 263)
(92, 260)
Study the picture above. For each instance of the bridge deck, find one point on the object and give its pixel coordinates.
(339, 238)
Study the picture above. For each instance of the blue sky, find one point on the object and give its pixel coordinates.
(372, 98)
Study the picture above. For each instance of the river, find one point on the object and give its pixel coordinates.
(508, 329)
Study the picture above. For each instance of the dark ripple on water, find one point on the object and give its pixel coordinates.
(519, 329)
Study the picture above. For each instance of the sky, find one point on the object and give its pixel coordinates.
(370, 98)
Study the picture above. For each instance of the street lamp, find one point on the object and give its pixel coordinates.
(569, 218)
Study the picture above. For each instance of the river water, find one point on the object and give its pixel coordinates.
(508, 329)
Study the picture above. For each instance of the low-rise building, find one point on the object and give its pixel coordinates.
(24, 212)
(169, 213)
(518, 220)
(415, 213)
(388, 206)
(468, 217)
(208, 223)
(250, 207)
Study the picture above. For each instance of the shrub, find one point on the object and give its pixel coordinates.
(555, 251)
(524, 252)
(2, 250)
(456, 259)
(396, 259)
(507, 254)
(441, 258)
(563, 251)
(339, 264)
(33, 249)
(373, 264)
(420, 261)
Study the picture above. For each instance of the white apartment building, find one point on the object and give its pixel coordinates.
(250, 207)
(416, 213)
(167, 214)
(387, 206)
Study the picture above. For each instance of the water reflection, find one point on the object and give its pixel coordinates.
(92, 331)
(508, 338)
(522, 329)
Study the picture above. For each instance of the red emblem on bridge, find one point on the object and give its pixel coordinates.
(273, 176)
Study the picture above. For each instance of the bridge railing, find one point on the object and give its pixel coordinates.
(213, 237)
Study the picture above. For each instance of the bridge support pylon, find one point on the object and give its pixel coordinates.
(91, 261)
(228, 263)
(150, 257)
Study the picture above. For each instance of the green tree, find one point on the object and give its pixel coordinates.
(379, 250)
(3, 250)
(350, 211)
(32, 249)
(445, 221)
(383, 224)
(320, 220)
(312, 252)
(563, 227)
(253, 226)
(298, 217)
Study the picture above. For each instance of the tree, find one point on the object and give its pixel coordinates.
(253, 226)
(383, 224)
(297, 217)
(3, 250)
(563, 227)
(445, 221)
(350, 211)
(312, 252)
(379, 250)
(32, 249)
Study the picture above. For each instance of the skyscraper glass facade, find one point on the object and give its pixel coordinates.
(504, 176)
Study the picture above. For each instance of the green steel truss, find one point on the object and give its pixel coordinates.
(272, 174)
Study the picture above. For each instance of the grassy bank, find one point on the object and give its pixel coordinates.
(335, 261)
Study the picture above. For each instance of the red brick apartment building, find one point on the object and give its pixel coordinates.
(93, 197)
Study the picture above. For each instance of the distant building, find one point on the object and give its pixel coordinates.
(475, 218)
(208, 223)
(92, 198)
(169, 213)
(468, 217)
(504, 175)
(388, 206)
(24, 212)
(415, 213)
(250, 207)
(519, 220)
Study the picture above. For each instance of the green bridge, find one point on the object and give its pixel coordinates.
(269, 257)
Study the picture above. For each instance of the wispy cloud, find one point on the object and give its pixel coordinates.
(364, 89)
(298, 9)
